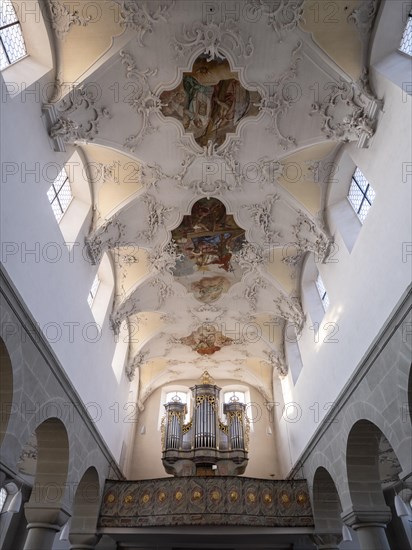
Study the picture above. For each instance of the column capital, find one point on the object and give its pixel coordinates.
(378, 517)
(84, 541)
(38, 513)
(327, 541)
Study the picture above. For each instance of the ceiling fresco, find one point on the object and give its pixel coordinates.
(216, 136)
(206, 340)
(207, 242)
(210, 101)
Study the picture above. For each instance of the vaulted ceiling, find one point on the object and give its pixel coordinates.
(180, 102)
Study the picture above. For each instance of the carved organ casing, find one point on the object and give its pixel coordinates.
(205, 441)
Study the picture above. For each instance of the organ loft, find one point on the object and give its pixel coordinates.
(205, 445)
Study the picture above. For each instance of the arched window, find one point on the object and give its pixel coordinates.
(234, 395)
(169, 393)
(391, 43)
(101, 291)
(12, 43)
(349, 201)
(176, 396)
(315, 299)
(69, 196)
(120, 352)
(238, 392)
(292, 352)
(323, 295)
(406, 42)
(93, 290)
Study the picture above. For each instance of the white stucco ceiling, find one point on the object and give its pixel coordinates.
(271, 174)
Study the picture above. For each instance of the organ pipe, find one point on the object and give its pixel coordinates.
(205, 439)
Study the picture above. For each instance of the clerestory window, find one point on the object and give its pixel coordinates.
(60, 194)
(234, 396)
(361, 195)
(178, 395)
(12, 43)
(93, 291)
(406, 42)
(322, 292)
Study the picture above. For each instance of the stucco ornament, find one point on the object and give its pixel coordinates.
(212, 37)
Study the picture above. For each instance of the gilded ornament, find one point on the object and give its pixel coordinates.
(206, 379)
(234, 496)
(162, 497)
(215, 495)
(251, 497)
(267, 498)
(128, 499)
(110, 498)
(285, 498)
(302, 498)
(146, 498)
(178, 495)
(197, 495)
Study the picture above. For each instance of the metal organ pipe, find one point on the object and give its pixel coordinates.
(205, 423)
(174, 415)
(235, 416)
(206, 440)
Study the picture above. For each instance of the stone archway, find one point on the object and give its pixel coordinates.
(85, 511)
(372, 466)
(43, 511)
(327, 510)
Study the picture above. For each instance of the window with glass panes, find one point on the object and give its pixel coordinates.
(235, 396)
(361, 195)
(180, 397)
(93, 291)
(12, 46)
(322, 293)
(406, 42)
(60, 194)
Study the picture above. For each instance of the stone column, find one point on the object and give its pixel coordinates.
(370, 527)
(327, 541)
(83, 541)
(42, 524)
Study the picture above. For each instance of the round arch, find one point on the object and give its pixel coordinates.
(85, 507)
(365, 468)
(365, 412)
(327, 506)
(52, 464)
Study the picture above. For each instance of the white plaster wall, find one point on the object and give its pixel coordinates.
(364, 285)
(54, 291)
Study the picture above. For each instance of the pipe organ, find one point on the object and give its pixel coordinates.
(205, 444)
